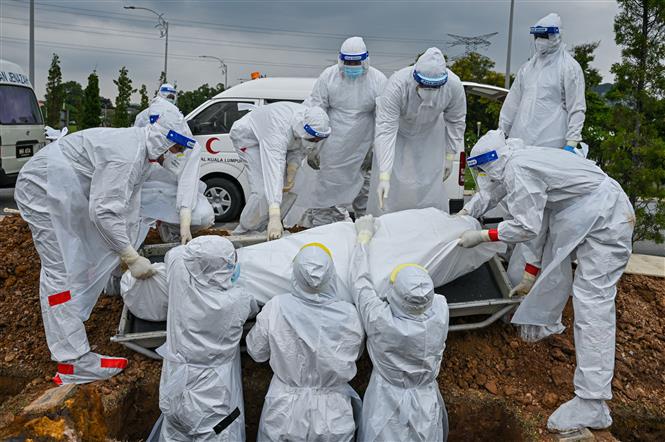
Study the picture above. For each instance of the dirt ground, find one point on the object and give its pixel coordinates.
(496, 387)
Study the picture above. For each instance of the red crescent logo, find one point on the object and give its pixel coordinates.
(209, 145)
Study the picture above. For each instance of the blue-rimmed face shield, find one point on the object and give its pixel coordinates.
(543, 31)
(316, 136)
(430, 82)
(168, 93)
(353, 59)
(181, 140)
(479, 160)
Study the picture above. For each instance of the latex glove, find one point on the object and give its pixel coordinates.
(524, 287)
(291, 170)
(313, 159)
(139, 266)
(471, 238)
(448, 165)
(384, 187)
(275, 228)
(462, 212)
(185, 225)
(365, 229)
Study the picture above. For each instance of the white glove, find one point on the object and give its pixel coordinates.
(275, 228)
(185, 225)
(524, 287)
(365, 228)
(448, 165)
(139, 266)
(291, 170)
(462, 212)
(313, 159)
(471, 238)
(384, 187)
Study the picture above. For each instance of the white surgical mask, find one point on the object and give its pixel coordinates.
(427, 95)
(544, 46)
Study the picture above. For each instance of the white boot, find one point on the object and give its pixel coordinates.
(578, 413)
(88, 368)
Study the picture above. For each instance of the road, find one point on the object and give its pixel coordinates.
(642, 247)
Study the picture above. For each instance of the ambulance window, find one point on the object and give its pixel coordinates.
(19, 106)
(218, 117)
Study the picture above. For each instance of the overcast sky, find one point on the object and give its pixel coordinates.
(277, 38)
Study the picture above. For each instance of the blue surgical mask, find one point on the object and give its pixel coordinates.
(236, 274)
(353, 71)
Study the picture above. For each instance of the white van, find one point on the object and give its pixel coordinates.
(21, 123)
(222, 170)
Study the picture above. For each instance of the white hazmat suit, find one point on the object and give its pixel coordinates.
(406, 337)
(589, 216)
(272, 140)
(81, 197)
(173, 193)
(349, 99)
(312, 340)
(200, 392)
(419, 128)
(546, 105)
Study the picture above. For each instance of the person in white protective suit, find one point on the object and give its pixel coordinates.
(166, 92)
(80, 195)
(200, 392)
(347, 91)
(420, 121)
(312, 340)
(546, 105)
(591, 217)
(406, 337)
(269, 140)
(173, 193)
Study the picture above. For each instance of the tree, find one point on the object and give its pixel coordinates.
(479, 68)
(190, 100)
(145, 100)
(54, 93)
(125, 91)
(73, 98)
(596, 129)
(635, 155)
(92, 106)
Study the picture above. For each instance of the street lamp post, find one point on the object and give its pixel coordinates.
(510, 43)
(163, 27)
(222, 66)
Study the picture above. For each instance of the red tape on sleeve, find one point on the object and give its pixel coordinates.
(56, 379)
(65, 369)
(59, 298)
(114, 363)
(533, 270)
(494, 234)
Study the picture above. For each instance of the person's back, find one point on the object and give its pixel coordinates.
(313, 341)
(406, 337)
(201, 385)
(269, 121)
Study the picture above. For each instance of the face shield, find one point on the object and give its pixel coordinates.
(353, 59)
(546, 34)
(168, 92)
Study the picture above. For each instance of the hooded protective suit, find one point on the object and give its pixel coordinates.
(415, 128)
(406, 337)
(175, 186)
(200, 392)
(546, 104)
(81, 197)
(313, 340)
(266, 139)
(166, 92)
(350, 103)
(589, 216)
